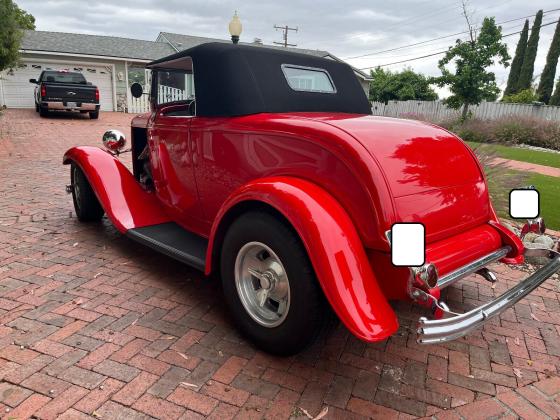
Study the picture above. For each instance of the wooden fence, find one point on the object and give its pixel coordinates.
(437, 111)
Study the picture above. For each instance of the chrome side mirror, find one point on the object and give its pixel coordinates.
(136, 90)
(533, 225)
(114, 141)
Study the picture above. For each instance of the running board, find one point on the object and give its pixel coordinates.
(174, 241)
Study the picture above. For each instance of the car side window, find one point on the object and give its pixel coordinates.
(174, 86)
(308, 79)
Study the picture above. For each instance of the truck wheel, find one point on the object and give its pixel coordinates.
(86, 204)
(94, 115)
(43, 112)
(269, 284)
(37, 107)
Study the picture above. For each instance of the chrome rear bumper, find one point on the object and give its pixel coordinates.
(447, 329)
(473, 267)
(84, 106)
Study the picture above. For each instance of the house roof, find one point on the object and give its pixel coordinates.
(111, 46)
(182, 42)
(82, 44)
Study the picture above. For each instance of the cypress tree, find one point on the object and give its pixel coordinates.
(546, 84)
(517, 62)
(555, 98)
(526, 74)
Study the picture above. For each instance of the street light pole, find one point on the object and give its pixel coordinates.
(235, 28)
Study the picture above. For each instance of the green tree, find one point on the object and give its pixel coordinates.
(13, 21)
(517, 61)
(555, 98)
(471, 83)
(24, 20)
(526, 96)
(402, 86)
(526, 74)
(546, 84)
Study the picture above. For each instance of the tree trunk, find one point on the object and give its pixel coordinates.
(465, 112)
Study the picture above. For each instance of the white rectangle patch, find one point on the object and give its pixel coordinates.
(524, 203)
(408, 244)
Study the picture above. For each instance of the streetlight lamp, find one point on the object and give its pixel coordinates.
(235, 28)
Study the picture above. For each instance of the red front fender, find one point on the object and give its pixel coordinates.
(125, 202)
(334, 248)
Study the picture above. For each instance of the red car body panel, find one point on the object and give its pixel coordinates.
(126, 203)
(334, 247)
(373, 166)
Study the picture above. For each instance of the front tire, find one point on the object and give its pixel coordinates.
(86, 204)
(269, 284)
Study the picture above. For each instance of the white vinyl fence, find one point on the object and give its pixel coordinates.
(437, 111)
(165, 94)
(139, 105)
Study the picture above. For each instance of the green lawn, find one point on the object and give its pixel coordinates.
(523, 155)
(549, 190)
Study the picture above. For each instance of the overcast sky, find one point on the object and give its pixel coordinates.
(345, 28)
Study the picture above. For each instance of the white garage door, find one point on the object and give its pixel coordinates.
(18, 92)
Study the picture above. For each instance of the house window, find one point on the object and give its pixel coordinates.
(308, 79)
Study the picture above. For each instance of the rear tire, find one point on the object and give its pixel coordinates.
(43, 112)
(36, 107)
(94, 115)
(86, 204)
(269, 284)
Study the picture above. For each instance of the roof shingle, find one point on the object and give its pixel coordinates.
(107, 46)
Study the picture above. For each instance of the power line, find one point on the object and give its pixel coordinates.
(413, 19)
(444, 51)
(438, 38)
(434, 46)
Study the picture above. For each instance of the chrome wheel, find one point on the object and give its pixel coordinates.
(76, 188)
(262, 284)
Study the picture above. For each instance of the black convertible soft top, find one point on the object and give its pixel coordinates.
(235, 80)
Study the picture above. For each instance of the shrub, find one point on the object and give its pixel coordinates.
(526, 96)
(508, 130)
(414, 116)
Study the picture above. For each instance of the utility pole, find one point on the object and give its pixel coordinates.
(285, 29)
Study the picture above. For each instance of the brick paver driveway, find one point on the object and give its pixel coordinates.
(92, 324)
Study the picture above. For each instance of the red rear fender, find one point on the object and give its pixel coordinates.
(125, 202)
(334, 248)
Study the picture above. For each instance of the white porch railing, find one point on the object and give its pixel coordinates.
(165, 94)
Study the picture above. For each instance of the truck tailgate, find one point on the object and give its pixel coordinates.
(67, 92)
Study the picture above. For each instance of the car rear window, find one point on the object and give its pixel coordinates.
(308, 79)
(63, 77)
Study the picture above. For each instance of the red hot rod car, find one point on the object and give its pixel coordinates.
(266, 167)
